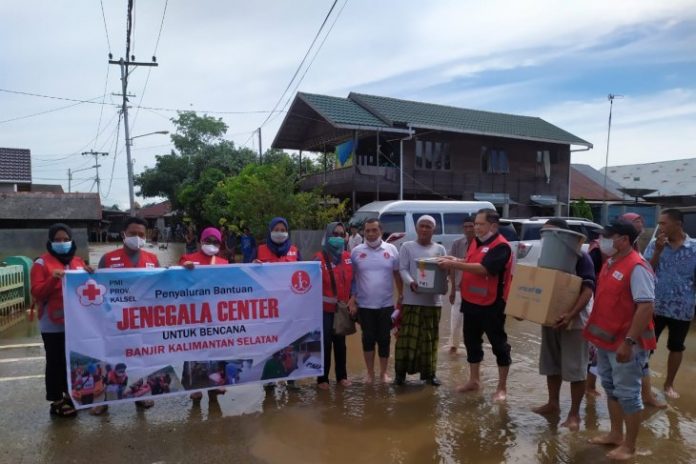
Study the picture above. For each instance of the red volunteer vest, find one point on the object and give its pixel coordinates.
(202, 259)
(43, 275)
(614, 307)
(482, 290)
(343, 274)
(119, 259)
(265, 255)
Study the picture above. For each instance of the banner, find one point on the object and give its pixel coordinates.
(134, 334)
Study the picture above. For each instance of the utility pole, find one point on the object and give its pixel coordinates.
(69, 179)
(96, 155)
(124, 64)
(605, 208)
(260, 149)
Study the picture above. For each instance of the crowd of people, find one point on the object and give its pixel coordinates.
(626, 301)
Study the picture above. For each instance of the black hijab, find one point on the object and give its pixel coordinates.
(52, 231)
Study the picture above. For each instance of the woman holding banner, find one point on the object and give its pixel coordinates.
(337, 278)
(46, 288)
(211, 239)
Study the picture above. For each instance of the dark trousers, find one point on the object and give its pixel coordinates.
(376, 327)
(491, 321)
(56, 369)
(339, 349)
(677, 332)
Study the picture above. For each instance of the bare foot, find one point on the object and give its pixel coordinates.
(453, 350)
(607, 439)
(196, 396)
(345, 383)
(592, 393)
(99, 410)
(499, 395)
(622, 453)
(547, 409)
(323, 385)
(572, 423)
(385, 378)
(651, 400)
(470, 386)
(370, 379)
(670, 392)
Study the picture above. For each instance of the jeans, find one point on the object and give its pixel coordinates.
(622, 381)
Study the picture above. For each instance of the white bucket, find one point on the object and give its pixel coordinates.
(560, 249)
(430, 277)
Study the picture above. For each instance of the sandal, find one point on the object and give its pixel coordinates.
(99, 410)
(63, 408)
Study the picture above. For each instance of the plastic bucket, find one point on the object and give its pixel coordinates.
(430, 277)
(560, 249)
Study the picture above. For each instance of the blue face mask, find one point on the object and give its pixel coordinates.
(337, 244)
(61, 248)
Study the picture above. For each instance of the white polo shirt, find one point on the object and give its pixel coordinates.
(373, 270)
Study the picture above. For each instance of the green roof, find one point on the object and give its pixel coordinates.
(448, 118)
(341, 111)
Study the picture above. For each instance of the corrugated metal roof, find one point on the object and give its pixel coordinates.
(341, 111)
(448, 118)
(15, 165)
(669, 178)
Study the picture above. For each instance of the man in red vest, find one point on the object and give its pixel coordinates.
(621, 328)
(485, 285)
(131, 255)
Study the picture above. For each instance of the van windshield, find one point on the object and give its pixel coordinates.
(360, 217)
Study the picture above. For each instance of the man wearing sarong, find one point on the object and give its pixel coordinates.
(416, 346)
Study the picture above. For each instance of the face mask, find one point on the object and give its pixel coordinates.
(485, 237)
(61, 248)
(210, 250)
(134, 243)
(606, 246)
(336, 244)
(375, 243)
(279, 237)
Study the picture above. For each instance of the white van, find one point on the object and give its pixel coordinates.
(398, 218)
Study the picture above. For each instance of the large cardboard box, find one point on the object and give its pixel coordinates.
(541, 295)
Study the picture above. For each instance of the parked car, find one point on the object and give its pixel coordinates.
(398, 218)
(525, 237)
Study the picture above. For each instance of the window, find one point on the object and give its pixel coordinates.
(531, 231)
(436, 216)
(494, 161)
(454, 222)
(391, 223)
(432, 155)
(508, 231)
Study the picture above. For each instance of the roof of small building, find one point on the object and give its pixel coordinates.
(588, 183)
(53, 206)
(53, 188)
(154, 211)
(670, 178)
(15, 165)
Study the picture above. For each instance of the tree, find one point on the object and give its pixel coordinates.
(581, 209)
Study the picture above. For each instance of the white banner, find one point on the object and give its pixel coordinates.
(138, 333)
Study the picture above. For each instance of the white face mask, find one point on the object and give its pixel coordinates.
(134, 243)
(374, 244)
(485, 237)
(210, 250)
(606, 246)
(279, 237)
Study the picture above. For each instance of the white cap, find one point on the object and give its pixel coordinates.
(427, 217)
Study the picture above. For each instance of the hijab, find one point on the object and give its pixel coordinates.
(52, 231)
(328, 233)
(278, 249)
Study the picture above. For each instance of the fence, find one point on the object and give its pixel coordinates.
(11, 295)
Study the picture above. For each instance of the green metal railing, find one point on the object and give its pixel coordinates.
(12, 295)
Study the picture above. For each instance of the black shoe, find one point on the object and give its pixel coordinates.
(400, 379)
(434, 381)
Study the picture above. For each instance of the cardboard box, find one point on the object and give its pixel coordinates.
(541, 295)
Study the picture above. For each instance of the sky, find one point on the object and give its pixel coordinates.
(234, 60)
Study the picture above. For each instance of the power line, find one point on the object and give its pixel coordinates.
(106, 30)
(297, 71)
(101, 109)
(113, 166)
(17, 118)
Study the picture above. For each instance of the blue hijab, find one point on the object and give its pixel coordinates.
(276, 249)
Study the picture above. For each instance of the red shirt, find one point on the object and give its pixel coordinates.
(201, 259)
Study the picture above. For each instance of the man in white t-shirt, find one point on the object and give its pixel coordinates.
(376, 272)
(355, 238)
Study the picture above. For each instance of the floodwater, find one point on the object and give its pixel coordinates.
(359, 424)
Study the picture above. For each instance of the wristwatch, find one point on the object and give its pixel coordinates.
(630, 341)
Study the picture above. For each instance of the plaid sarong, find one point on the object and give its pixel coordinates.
(416, 346)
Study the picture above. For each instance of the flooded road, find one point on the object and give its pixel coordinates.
(359, 424)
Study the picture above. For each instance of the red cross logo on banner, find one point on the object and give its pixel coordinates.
(91, 293)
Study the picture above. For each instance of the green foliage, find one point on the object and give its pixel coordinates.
(581, 209)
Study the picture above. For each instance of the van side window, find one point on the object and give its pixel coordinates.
(454, 222)
(438, 220)
(392, 222)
